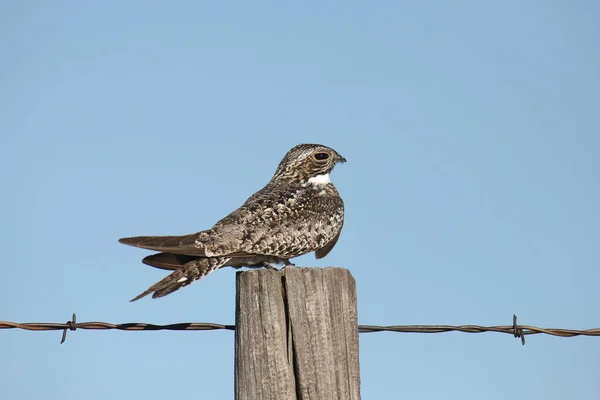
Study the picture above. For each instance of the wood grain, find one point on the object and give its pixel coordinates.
(297, 335)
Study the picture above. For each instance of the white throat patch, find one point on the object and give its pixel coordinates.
(319, 180)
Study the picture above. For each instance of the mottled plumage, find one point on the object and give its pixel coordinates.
(297, 212)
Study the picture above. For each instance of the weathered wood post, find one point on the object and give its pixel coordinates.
(296, 335)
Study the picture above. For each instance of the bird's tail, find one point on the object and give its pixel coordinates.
(183, 276)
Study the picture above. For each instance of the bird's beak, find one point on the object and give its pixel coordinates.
(340, 159)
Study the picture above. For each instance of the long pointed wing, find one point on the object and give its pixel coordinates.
(174, 245)
(168, 261)
(170, 244)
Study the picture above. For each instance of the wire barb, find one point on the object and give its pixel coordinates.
(72, 325)
(518, 331)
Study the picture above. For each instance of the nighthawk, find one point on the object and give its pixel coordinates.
(297, 212)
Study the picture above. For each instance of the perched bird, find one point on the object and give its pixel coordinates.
(297, 212)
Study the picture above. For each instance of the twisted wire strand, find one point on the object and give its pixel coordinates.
(518, 331)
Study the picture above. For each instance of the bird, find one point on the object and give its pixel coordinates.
(299, 211)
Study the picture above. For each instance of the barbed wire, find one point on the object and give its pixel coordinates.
(518, 331)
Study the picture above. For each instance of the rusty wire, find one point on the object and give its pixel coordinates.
(518, 331)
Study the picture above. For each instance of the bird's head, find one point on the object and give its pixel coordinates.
(308, 162)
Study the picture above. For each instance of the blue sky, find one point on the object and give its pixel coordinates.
(471, 189)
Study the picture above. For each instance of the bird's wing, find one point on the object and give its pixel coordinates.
(274, 222)
(171, 244)
(176, 248)
(168, 261)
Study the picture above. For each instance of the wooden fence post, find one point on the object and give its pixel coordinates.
(296, 335)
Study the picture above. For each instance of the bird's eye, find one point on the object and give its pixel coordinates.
(321, 156)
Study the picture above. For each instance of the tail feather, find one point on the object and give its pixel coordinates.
(183, 276)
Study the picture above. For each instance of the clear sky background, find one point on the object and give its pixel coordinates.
(472, 185)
